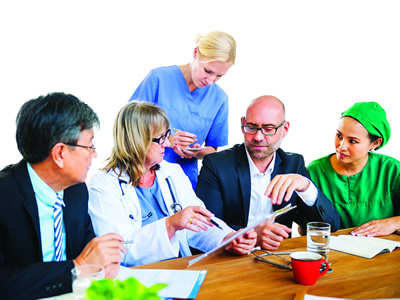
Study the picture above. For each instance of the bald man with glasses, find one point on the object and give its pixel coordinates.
(251, 180)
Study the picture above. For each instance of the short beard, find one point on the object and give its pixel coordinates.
(264, 154)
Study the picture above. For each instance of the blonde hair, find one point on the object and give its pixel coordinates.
(134, 129)
(217, 45)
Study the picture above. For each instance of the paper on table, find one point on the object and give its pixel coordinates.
(239, 233)
(183, 284)
(311, 297)
(366, 247)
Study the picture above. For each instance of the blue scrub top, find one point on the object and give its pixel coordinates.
(203, 112)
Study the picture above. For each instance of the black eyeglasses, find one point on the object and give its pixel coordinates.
(87, 147)
(162, 138)
(267, 130)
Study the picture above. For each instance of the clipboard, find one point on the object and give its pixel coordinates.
(241, 232)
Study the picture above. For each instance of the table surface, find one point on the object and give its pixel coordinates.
(243, 277)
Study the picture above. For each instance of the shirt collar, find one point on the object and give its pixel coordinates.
(43, 192)
(253, 169)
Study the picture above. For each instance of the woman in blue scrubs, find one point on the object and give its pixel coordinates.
(197, 107)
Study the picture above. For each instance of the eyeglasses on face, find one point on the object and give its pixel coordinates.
(267, 130)
(82, 146)
(162, 138)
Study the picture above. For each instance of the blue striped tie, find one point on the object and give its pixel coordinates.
(58, 240)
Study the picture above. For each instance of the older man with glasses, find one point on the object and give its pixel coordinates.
(251, 180)
(45, 228)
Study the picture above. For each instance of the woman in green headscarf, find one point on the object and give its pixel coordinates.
(364, 186)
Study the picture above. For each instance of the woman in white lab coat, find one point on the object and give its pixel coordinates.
(150, 202)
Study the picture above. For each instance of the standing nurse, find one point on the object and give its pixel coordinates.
(196, 107)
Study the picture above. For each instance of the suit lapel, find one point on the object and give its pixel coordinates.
(243, 172)
(29, 199)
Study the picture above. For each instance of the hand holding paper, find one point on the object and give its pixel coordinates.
(243, 244)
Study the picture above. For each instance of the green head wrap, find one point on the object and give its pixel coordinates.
(373, 117)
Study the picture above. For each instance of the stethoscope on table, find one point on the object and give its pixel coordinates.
(175, 206)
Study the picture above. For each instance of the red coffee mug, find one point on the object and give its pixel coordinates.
(307, 267)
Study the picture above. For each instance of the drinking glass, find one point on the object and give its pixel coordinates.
(82, 277)
(318, 237)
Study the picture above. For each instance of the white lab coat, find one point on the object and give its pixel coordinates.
(113, 212)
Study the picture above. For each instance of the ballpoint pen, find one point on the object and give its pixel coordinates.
(188, 148)
(213, 222)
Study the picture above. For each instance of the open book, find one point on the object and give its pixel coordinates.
(362, 246)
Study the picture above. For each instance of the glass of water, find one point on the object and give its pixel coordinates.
(318, 237)
(82, 277)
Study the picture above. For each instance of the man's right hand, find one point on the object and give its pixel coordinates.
(105, 251)
(270, 235)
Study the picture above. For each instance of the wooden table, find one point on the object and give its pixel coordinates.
(243, 277)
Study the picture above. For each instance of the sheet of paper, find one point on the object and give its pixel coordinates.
(183, 284)
(276, 213)
(311, 297)
(221, 247)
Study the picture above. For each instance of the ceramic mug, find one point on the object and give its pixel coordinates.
(307, 267)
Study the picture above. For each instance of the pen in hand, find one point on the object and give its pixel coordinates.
(214, 223)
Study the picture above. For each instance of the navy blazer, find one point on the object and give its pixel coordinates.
(224, 186)
(23, 274)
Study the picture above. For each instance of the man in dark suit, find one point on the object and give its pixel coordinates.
(55, 137)
(248, 181)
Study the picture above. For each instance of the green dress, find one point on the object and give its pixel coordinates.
(372, 194)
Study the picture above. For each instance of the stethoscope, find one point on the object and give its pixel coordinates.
(121, 181)
(175, 206)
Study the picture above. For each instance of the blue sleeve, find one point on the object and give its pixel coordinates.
(147, 89)
(218, 133)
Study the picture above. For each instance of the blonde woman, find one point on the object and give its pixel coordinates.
(148, 201)
(197, 107)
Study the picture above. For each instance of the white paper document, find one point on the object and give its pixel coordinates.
(220, 247)
(183, 284)
(366, 247)
(310, 297)
(252, 225)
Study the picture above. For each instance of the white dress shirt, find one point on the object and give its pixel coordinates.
(260, 205)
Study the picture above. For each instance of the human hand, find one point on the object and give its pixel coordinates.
(285, 184)
(270, 235)
(378, 227)
(182, 139)
(186, 153)
(194, 218)
(112, 270)
(242, 244)
(105, 251)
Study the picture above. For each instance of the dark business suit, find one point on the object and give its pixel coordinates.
(224, 186)
(23, 274)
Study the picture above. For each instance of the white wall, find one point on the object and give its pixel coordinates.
(317, 56)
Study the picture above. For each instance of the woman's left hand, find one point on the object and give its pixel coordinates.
(243, 244)
(378, 227)
(187, 153)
